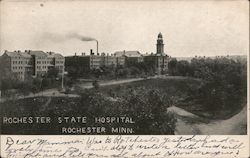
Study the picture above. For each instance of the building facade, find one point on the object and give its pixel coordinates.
(160, 59)
(31, 63)
(128, 58)
(92, 61)
(120, 58)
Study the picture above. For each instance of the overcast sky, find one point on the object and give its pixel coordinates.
(191, 28)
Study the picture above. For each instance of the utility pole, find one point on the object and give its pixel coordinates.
(97, 51)
(62, 77)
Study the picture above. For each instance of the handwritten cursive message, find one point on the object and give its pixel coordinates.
(122, 146)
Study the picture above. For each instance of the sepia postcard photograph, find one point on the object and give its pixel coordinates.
(124, 79)
(96, 68)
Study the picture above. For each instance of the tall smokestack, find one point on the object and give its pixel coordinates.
(97, 46)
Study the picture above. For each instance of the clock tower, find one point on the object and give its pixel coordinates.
(160, 45)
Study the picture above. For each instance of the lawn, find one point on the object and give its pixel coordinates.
(177, 88)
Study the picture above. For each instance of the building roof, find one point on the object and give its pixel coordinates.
(58, 55)
(27, 54)
(128, 53)
(12, 54)
(38, 53)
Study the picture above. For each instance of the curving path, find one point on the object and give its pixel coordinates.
(188, 123)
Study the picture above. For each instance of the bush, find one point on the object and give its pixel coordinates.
(147, 107)
(224, 84)
(96, 85)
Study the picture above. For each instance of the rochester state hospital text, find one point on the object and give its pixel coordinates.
(73, 124)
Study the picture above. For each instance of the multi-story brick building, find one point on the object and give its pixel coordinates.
(31, 63)
(84, 62)
(110, 60)
(123, 58)
(129, 57)
(89, 62)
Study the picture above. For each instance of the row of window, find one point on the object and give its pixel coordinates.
(38, 62)
(49, 62)
(17, 67)
(59, 62)
(44, 62)
(41, 67)
(21, 62)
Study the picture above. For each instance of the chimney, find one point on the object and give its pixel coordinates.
(97, 46)
(91, 52)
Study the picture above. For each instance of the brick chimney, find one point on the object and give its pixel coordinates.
(91, 52)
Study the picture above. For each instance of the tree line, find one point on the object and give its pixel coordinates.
(11, 85)
(224, 82)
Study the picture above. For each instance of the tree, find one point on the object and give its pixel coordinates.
(147, 107)
(224, 84)
(96, 84)
(53, 72)
(172, 66)
(183, 68)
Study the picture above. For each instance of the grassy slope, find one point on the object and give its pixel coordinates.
(171, 86)
(63, 106)
(177, 88)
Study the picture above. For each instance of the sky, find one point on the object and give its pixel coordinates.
(189, 28)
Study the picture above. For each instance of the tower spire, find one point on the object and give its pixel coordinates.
(160, 45)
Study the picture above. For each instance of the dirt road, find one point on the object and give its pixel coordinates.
(189, 124)
(110, 82)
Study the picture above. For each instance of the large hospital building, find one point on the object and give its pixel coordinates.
(37, 63)
(123, 58)
(32, 63)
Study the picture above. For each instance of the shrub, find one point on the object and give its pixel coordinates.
(148, 107)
